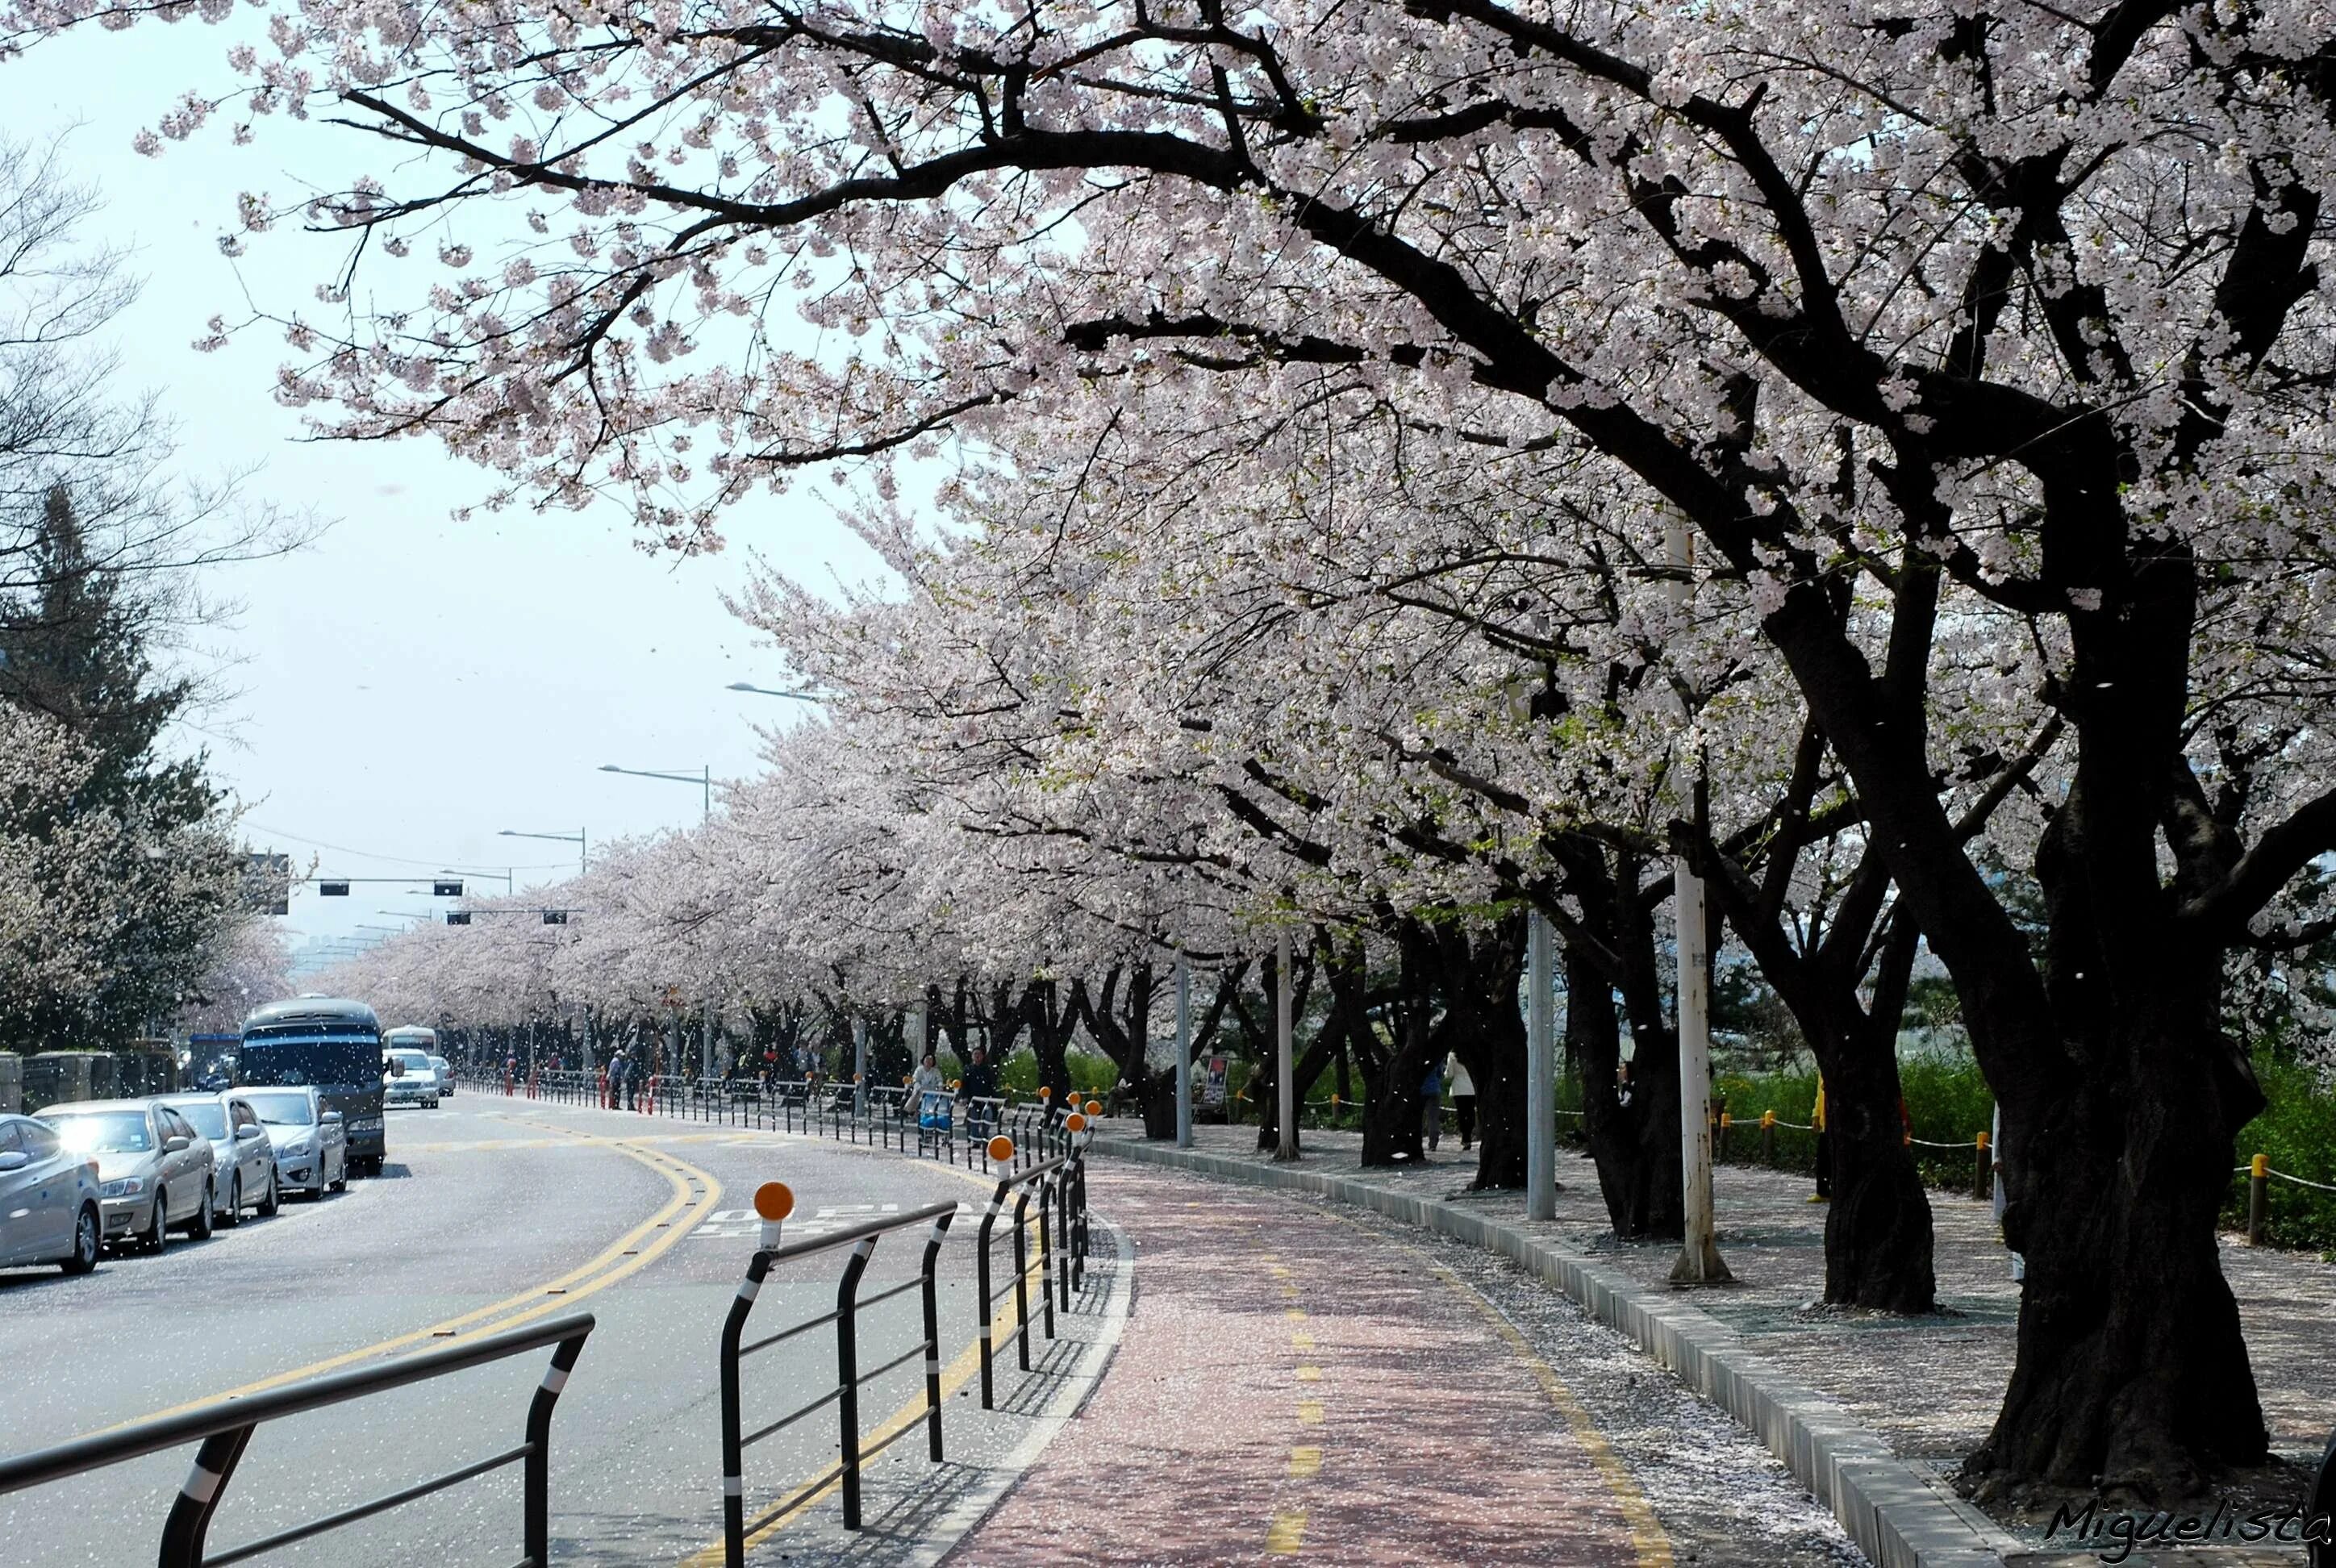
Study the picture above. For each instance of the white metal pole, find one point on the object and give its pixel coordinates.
(1183, 1053)
(1541, 1074)
(1285, 1067)
(859, 1066)
(1698, 1261)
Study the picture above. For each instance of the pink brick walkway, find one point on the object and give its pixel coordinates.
(1290, 1387)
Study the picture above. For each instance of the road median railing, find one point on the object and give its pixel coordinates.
(225, 1430)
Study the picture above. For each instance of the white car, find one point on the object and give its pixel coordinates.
(49, 1206)
(312, 1146)
(445, 1071)
(243, 1169)
(407, 1079)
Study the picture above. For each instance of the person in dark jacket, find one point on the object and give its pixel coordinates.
(980, 1083)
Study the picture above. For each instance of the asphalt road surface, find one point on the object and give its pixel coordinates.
(490, 1213)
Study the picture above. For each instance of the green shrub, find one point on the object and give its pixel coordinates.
(2297, 1130)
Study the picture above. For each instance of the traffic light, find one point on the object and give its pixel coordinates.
(445, 890)
(458, 917)
(555, 917)
(331, 890)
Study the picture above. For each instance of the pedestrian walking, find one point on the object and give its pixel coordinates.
(978, 1085)
(1431, 1104)
(1825, 1147)
(1463, 1098)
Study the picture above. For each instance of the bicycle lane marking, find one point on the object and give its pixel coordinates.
(1650, 1542)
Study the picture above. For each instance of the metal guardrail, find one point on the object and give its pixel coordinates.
(845, 1394)
(225, 1430)
(1019, 1184)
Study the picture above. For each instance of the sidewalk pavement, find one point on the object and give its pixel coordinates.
(1299, 1382)
(1822, 1387)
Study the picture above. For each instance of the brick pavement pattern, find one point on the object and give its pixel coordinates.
(1292, 1387)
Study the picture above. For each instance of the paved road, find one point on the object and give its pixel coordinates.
(486, 1206)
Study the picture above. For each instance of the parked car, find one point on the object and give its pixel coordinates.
(312, 1146)
(243, 1168)
(445, 1071)
(153, 1167)
(407, 1079)
(50, 1211)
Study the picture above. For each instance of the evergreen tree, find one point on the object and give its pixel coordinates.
(75, 651)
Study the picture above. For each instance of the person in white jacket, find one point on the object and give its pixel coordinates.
(1463, 1098)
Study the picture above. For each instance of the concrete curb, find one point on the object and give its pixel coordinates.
(1899, 1516)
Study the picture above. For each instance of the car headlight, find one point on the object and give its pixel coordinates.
(127, 1187)
(293, 1148)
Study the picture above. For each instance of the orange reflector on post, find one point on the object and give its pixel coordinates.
(1045, 1092)
(1095, 1107)
(775, 1200)
(1075, 1123)
(1001, 1148)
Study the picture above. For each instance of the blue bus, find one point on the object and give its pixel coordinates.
(334, 1043)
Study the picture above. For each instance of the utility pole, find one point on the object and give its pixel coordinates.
(1183, 1052)
(1285, 1067)
(859, 1066)
(1698, 1261)
(1541, 1074)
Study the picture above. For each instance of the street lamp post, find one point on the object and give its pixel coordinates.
(704, 777)
(576, 838)
(773, 691)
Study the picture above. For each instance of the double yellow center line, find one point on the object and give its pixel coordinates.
(629, 1254)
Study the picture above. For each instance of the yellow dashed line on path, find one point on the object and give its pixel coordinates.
(1310, 1374)
(1648, 1538)
(1305, 1462)
(1287, 1533)
(1309, 1412)
(1301, 1341)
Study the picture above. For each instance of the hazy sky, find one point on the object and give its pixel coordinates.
(409, 685)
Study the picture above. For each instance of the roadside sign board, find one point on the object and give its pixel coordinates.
(1216, 1073)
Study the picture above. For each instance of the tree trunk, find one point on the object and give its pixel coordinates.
(1878, 1239)
(2132, 1364)
(1637, 1166)
(1481, 973)
(1158, 1091)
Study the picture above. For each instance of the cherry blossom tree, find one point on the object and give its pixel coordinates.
(1884, 302)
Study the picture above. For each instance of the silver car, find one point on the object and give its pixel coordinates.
(243, 1167)
(312, 1147)
(49, 1206)
(153, 1169)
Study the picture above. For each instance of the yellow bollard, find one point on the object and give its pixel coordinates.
(1768, 1137)
(1982, 1171)
(2258, 1197)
